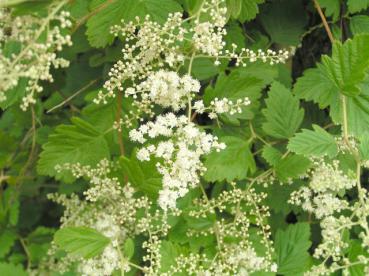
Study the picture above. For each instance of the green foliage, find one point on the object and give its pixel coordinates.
(71, 144)
(313, 107)
(110, 13)
(291, 247)
(317, 142)
(142, 175)
(342, 74)
(284, 21)
(81, 241)
(7, 269)
(291, 167)
(283, 114)
(234, 162)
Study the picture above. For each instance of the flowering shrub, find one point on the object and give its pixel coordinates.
(184, 137)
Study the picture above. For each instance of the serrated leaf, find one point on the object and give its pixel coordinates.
(357, 5)
(284, 21)
(331, 8)
(283, 114)
(143, 175)
(291, 167)
(237, 85)
(317, 142)
(291, 247)
(112, 12)
(81, 241)
(359, 24)
(271, 155)
(234, 162)
(344, 72)
(80, 142)
(249, 9)
(7, 239)
(8, 269)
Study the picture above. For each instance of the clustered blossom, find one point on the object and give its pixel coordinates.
(166, 89)
(323, 198)
(221, 106)
(150, 46)
(181, 153)
(232, 258)
(110, 208)
(33, 62)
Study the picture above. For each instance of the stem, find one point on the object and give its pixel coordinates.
(117, 118)
(73, 95)
(324, 20)
(189, 97)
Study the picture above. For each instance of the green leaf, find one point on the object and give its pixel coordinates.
(291, 247)
(7, 239)
(317, 142)
(81, 241)
(284, 21)
(331, 8)
(129, 248)
(359, 24)
(234, 162)
(8, 269)
(356, 249)
(345, 72)
(234, 7)
(271, 155)
(357, 5)
(237, 85)
(283, 114)
(249, 9)
(291, 167)
(111, 13)
(364, 147)
(143, 175)
(80, 142)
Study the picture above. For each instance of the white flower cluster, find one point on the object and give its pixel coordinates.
(150, 46)
(221, 106)
(33, 62)
(329, 177)
(166, 88)
(324, 198)
(110, 209)
(326, 181)
(181, 154)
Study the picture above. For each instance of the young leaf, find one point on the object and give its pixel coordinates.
(317, 142)
(81, 241)
(283, 115)
(234, 162)
(79, 142)
(291, 247)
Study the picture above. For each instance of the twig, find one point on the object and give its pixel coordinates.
(73, 96)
